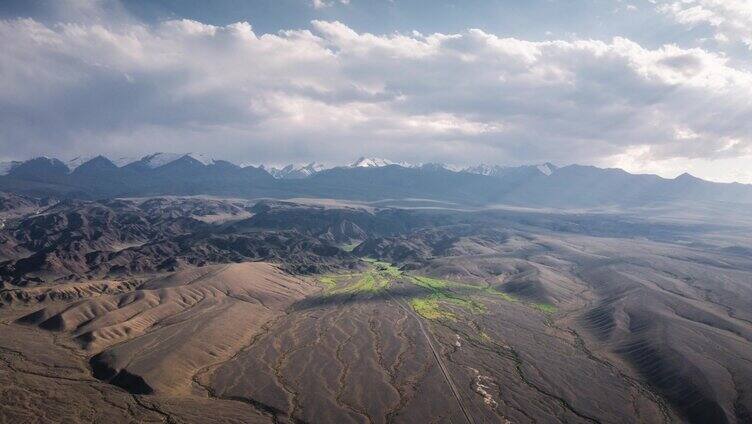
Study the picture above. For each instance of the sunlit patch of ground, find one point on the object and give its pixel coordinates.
(375, 278)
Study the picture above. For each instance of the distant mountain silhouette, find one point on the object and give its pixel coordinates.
(542, 185)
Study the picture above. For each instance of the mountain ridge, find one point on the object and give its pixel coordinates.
(541, 185)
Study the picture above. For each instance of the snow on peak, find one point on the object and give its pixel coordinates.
(453, 168)
(156, 160)
(296, 171)
(437, 165)
(78, 161)
(124, 160)
(545, 168)
(311, 168)
(277, 172)
(498, 170)
(364, 162)
(204, 159)
(483, 169)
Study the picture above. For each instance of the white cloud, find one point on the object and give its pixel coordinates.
(320, 4)
(330, 93)
(639, 160)
(731, 19)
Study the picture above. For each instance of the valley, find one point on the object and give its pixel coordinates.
(172, 309)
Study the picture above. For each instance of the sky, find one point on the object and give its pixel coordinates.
(650, 86)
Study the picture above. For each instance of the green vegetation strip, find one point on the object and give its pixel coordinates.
(544, 307)
(376, 278)
(450, 292)
(370, 282)
(329, 282)
(440, 292)
(429, 308)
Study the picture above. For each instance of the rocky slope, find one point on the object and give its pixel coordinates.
(153, 310)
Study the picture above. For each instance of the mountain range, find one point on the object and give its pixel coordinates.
(289, 171)
(295, 171)
(542, 185)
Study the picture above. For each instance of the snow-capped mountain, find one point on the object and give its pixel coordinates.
(437, 165)
(483, 169)
(78, 161)
(159, 159)
(499, 171)
(364, 162)
(313, 168)
(205, 159)
(152, 161)
(296, 171)
(546, 168)
(123, 161)
(191, 174)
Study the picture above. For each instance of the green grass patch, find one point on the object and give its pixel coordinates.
(429, 308)
(546, 308)
(444, 289)
(435, 285)
(376, 278)
(387, 269)
(444, 292)
(506, 297)
(328, 282)
(440, 292)
(468, 304)
(370, 282)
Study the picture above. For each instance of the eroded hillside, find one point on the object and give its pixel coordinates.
(204, 310)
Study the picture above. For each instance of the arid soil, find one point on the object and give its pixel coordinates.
(203, 310)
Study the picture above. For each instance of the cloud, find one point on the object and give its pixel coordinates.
(331, 93)
(730, 19)
(320, 4)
